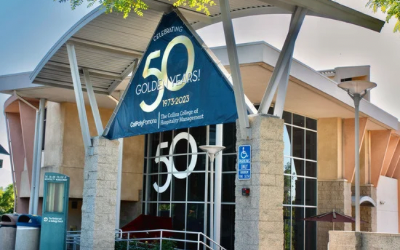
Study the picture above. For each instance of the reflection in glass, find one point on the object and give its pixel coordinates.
(311, 169)
(227, 227)
(287, 199)
(311, 192)
(311, 229)
(287, 117)
(298, 228)
(55, 197)
(164, 209)
(297, 190)
(311, 123)
(311, 145)
(196, 182)
(298, 167)
(298, 142)
(287, 140)
(229, 163)
(287, 227)
(229, 138)
(298, 120)
(228, 193)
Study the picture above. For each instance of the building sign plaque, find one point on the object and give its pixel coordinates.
(244, 162)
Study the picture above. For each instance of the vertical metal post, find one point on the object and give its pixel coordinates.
(11, 162)
(93, 102)
(281, 95)
(218, 186)
(283, 60)
(35, 145)
(357, 99)
(235, 68)
(206, 187)
(38, 165)
(161, 240)
(119, 181)
(212, 199)
(80, 103)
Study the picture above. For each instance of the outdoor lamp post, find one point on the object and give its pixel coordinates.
(357, 90)
(212, 150)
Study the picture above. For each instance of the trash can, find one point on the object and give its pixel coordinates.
(8, 228)
(28, 232)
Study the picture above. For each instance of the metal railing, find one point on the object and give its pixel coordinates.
(129, 237)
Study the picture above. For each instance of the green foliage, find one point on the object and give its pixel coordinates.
(7, 200)
(137, 245)
(138, 6)
(390, 7)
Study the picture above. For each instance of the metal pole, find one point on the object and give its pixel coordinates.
(161, 240)
(235, 68)
(218, 186)
(38, 156)
(11, 161)
(119, 182)
(212, 199)
(356, 99)
(206, 188)
(284, 57)
(34, 163)
(80, 103)
(93, 102)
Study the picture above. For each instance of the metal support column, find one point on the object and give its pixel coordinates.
(357, 99)
(35, 146)
(284, 59)
(11, 162)
(119, 182)
(281, 95)
(218, 186)
(38, 159)
(93, 102)
(80, 103)
(235, 68)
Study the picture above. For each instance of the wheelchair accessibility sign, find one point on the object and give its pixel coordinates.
(244, 162)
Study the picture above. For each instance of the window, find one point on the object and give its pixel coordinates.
(177, 180)
(300, 181)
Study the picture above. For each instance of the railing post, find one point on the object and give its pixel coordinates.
(127, 244)
(161, 240)
(198, 241)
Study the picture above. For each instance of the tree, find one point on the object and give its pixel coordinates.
(390, 7)
(138, 6)
(7, 200)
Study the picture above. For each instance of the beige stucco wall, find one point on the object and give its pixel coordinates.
(329, 149)
(64, 151)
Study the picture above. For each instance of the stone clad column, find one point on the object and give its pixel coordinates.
(99, 192)
(259, 217)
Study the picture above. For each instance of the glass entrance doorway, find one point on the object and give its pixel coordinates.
(177, 179)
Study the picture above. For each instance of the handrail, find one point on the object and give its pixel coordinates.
(73, 237)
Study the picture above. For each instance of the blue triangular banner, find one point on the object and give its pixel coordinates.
(177, 85)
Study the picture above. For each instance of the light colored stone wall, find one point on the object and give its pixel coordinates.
(100, 190)
(259, 217)
(334, 194)
(367, 214)
(339, 240)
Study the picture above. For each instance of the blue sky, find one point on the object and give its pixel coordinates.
(29, 28)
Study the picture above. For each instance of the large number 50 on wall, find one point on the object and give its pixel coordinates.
(169, 162)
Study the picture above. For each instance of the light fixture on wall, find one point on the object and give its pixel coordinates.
(357, 90)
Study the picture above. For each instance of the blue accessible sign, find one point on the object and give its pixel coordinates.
(244, 162)
(176, 85)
